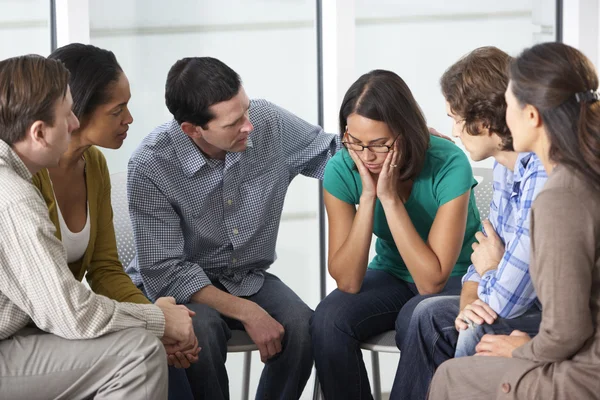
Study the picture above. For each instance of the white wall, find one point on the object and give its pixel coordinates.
(24, 27)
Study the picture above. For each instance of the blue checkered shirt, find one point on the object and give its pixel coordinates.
(198, 220)
(508, 289)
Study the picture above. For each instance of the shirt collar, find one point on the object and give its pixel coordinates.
(521, 165)
(189, 155)
(12, 159)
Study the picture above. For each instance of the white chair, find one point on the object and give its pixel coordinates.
(386, 342)
(240, 342)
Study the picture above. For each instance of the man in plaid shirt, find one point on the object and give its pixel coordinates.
(58, 339)
(497, 295)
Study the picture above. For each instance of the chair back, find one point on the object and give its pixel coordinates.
(121, 221)
(484, 191)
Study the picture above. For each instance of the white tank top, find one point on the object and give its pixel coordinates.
(75, 243)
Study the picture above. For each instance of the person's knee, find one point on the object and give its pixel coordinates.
(419, 314)
(297, 328)
(149, 348)
(330, 319)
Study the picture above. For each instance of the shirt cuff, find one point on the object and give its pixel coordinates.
(471, 276)
(155, 320)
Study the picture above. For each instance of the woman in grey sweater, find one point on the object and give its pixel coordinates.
(553, 110)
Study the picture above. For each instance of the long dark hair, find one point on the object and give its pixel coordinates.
(549, 76)
(383, 96)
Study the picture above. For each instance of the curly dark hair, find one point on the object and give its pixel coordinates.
(474, 88)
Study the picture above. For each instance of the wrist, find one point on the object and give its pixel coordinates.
(367, 199)
(247, 311)
(390, 201)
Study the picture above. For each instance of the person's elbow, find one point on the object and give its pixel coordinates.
(348, 285)
(349, 288)
(432, 286)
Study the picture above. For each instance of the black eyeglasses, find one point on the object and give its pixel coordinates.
(375, 148)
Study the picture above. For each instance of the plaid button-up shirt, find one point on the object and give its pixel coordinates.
(197, 220)
(508, 290)
(35, 281)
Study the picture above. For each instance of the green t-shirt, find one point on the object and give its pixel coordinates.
(446, 175)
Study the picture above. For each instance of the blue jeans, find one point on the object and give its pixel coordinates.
(431, 339)
(284, 376)
(468, 339)
(179, 388)
(343, 320)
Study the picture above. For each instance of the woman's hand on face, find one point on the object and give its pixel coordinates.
(387, 184)
(369, 184)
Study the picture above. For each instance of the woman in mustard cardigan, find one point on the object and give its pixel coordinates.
(77, 191)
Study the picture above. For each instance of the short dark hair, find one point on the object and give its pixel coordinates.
(30, 87)
(548, 76)
(196, 83)
(474, 88)
(93, 70)
(383, 96)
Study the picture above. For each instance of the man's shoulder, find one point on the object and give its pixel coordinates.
(157, 144)
(533, 168)
(15, 189)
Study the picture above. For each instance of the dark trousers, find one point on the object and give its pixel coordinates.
(342, 321)
(431, 338)
(284, 376)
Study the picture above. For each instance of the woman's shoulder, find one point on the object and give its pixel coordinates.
(444, 156)
(341, 162)
(442, 151)
(95, 162)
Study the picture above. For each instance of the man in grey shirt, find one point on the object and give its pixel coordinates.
(45, 312)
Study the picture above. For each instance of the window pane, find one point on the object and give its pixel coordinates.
(24, 27)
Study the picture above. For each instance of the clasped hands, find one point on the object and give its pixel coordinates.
(179, 339)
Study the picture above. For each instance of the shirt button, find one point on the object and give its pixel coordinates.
(235, 231)
(229, 202)
(234, 260)
(506, 387)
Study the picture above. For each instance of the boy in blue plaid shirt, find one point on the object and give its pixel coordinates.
(497, 295)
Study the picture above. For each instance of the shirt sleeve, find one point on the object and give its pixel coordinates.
(508, 290)
(159, 241)
(338, 180)
(36, 278)
(563, 258)
(306, 147)
(454, 178)
(105, 272)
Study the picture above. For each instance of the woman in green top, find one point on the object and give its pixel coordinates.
(413, 191)
(77, 191)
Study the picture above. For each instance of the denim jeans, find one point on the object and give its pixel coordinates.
(179, 387)
(431, 339)
(343, 320)
(468, 339)
(284, 376)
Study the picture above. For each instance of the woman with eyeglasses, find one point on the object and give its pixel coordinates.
(553, 109)
(412, 191)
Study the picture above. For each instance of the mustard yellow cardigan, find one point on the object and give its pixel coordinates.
(105, 273)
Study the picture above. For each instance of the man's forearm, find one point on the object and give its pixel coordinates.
(468, 294)
(225, 303)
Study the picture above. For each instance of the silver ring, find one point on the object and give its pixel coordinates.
(393, 165)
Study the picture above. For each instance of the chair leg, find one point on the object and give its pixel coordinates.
(376, 376)
(246, 375)
(317, 389)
